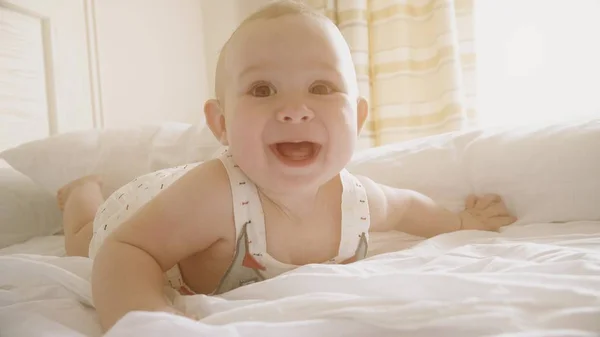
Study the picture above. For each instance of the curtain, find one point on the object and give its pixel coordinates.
(415, 62)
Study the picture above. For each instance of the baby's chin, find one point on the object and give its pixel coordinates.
(285, 183)
(282, 180)
(274, 187)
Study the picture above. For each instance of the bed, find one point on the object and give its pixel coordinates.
(537, 277)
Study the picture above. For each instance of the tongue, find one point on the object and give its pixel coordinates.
(296, 151)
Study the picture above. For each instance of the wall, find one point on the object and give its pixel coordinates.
(151, 60)
(157, 59)
(220, 20)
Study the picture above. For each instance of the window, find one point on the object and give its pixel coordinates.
(538, 60)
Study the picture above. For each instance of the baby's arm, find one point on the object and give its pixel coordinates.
(180, 221)
(414, 213)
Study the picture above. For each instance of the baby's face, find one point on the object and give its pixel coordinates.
(291, 102)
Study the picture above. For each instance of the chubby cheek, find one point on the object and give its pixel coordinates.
(342, 129)
(341, 149)
(245, 141)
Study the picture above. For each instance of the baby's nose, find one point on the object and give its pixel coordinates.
(298, 115)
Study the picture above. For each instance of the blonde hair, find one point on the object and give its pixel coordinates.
(271, 11)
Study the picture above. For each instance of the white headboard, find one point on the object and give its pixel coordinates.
(48, 70)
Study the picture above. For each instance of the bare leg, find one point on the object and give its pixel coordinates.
(79, 200)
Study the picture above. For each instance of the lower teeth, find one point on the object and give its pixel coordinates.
(296, 151)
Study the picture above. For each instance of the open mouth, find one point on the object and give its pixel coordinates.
(296, 153)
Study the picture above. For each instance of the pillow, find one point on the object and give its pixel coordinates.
(26, 210)
(430, 165)
(118, 154)
(545, 173)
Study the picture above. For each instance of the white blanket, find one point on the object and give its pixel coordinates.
(535, 280)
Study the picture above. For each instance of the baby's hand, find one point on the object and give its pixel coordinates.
(485, 213)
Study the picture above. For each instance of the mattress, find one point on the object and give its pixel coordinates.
(539, 279)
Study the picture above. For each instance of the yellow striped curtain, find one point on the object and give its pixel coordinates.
(415, 61)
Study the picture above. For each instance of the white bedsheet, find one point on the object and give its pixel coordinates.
(43, 245)
(534, 280)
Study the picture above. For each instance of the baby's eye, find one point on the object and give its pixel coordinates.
(321, 89)
(262, 90)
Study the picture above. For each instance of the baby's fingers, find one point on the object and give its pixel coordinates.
(471, 201)
(494, 210)
(194, 317)
(485, 201)
(500, 221)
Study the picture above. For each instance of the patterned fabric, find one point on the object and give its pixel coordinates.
(252, 262)
(125, 201)
(415, 62)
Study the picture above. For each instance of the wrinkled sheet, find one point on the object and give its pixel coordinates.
(529, 280)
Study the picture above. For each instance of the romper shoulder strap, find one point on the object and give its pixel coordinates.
(356, 219)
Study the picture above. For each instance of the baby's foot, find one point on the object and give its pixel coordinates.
(66, 191)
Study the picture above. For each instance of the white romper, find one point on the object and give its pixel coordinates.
(251, 262)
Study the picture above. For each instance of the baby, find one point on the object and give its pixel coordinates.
(288, 110)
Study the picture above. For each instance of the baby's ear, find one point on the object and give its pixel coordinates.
(216, 120)
(362, 112)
